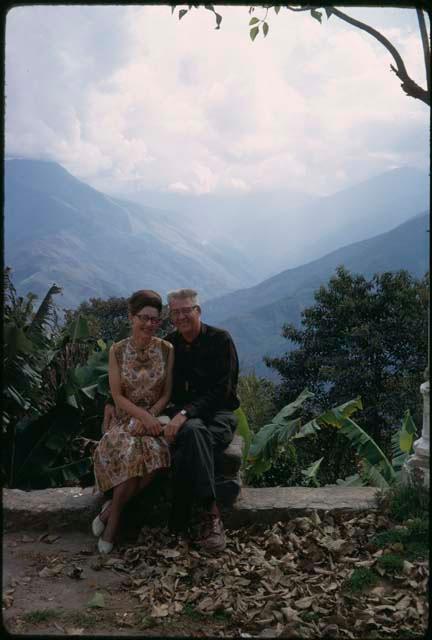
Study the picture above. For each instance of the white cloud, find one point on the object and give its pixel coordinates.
(128, 95)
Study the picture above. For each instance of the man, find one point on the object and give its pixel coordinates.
(202, 421)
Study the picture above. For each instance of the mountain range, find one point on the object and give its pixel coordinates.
(254, 316)
(283, 229)
(59, 229)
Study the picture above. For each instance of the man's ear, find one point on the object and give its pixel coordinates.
(199, 309)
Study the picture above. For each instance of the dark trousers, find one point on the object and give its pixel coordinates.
(197, 460)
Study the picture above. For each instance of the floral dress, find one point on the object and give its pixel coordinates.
(120, 455)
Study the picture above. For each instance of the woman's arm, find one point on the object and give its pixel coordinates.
(121, 401)
(160, 405)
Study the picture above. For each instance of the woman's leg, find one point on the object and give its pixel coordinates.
(121, 495)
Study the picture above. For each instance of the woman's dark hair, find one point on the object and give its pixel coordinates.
(144, 298)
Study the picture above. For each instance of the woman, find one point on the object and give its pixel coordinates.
(132, 451)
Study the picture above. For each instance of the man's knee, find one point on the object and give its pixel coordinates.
(192, 427)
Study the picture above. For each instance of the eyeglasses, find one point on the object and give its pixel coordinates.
(186, 311)
(144, 318)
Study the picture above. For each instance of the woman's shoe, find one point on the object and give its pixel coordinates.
(104, 546)
(97, 525)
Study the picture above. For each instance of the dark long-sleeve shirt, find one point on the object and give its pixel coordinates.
(205, 372)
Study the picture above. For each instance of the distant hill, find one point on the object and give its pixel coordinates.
(255, 316)
(282, 229)
(59, 229)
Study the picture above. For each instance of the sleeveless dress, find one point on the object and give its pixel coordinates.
(120, 455)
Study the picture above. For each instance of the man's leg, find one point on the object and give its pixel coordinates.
(221, 427)
(192, 471)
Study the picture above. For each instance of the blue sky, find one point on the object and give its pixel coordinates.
(128, 98)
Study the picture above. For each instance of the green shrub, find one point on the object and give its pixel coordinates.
(391, 562)
(360, 579)
(417, 550)
(405, 501)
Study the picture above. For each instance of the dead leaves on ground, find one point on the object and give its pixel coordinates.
(278, 580)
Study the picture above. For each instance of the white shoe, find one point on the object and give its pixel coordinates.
(104, 546)
(97, 525)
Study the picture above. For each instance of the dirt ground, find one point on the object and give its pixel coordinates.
(292, 579)
(60, 604)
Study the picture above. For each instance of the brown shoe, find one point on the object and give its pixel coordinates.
(212, 537)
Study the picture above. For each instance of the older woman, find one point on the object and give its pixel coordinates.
(132, 451)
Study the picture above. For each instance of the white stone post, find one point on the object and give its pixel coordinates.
(418, 463)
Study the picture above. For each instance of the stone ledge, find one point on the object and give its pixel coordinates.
(76, 507)
(273, 504)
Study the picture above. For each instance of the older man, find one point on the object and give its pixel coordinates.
(202, 421)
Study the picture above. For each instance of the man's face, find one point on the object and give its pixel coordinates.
(185, 316)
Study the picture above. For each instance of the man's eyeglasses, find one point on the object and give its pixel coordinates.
(144, 318)
(185, 311)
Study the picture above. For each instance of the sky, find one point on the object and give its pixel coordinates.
(129, 98)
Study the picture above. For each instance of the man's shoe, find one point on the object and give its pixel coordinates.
(212, 538)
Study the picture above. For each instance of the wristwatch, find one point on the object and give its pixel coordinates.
(184, 413)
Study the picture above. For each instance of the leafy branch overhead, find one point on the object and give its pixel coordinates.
(409, 86)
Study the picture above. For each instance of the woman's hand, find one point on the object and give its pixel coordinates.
(148, 425)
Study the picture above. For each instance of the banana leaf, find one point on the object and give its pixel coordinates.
(310, 473)
(365, 446)
(68, 473)
(243, 430)
(351, 481)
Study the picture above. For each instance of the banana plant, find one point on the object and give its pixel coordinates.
(375, 468)
(276, 435)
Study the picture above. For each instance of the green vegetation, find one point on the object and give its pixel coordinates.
(192, 612)
(361, 578)
(374, 468)
(391, 562)
(405, 501)
(41, 615)
(409, 86)
(363, 338)
(55, 384)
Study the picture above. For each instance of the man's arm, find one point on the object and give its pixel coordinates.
(222, 383)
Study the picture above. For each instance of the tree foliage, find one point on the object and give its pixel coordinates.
(408, 85)
(108, 319)
(363, 338)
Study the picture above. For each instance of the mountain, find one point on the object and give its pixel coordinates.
(283, 229)
(59, 229)
(255, 316)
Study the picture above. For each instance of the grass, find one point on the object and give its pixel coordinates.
(417, 550)
(78, 617)
(361, 578)
(193, 613)
(391, 562)
(308, 616)
(41, 615)
(406, 501)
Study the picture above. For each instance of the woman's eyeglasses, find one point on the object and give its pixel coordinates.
(144, 318)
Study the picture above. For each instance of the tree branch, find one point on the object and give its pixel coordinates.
(408, 85)
(426, 50)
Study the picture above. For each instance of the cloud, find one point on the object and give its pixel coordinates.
(128, 96)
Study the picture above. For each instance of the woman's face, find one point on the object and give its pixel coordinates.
(145, 322)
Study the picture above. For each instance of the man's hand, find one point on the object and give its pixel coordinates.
(173, 427)
(152, 425)
(109, 415)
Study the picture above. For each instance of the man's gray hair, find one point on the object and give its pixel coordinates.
(180, 294)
